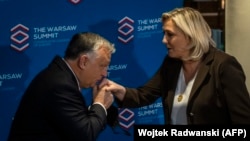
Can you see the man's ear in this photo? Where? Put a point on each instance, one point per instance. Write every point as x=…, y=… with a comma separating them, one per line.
x=82, y=61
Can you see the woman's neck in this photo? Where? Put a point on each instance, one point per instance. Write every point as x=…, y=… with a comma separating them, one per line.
x=189, y=69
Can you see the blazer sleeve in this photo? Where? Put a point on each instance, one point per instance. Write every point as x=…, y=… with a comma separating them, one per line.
x=144, y=95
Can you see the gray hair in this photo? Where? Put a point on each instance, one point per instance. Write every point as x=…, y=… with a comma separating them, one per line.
x=86, y=42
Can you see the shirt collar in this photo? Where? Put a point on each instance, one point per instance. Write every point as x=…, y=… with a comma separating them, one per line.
x=73, y=73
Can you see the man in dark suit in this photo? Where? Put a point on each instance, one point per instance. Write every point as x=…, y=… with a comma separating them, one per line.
x=53, y=108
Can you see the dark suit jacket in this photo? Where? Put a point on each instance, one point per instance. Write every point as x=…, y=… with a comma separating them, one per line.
x=219, y=94
x=53, y=109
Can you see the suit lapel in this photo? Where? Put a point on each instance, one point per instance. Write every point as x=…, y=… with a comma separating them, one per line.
x=203, y=72
x=173, y=71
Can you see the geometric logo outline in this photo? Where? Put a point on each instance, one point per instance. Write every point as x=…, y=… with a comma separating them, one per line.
x=75, y=1
x=19, y=37
x=126, y=29
x=127, y=124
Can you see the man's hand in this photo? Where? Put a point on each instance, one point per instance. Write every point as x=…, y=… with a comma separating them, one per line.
x=116, y=89
x=103, y=96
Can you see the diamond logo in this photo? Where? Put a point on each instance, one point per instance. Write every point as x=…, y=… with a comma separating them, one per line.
x=19, y=37
x=126, y=117
x=75, y=1
x=125, y=29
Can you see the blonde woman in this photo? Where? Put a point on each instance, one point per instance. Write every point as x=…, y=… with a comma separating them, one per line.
x=198, y=83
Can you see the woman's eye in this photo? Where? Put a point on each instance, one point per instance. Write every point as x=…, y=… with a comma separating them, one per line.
x=170, y=34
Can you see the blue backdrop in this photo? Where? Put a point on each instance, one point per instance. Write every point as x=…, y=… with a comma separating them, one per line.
x=32, y=32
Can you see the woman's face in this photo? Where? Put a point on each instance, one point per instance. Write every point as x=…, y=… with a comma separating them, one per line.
x=175, y=40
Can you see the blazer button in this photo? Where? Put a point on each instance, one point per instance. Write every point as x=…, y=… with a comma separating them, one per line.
x=191, y=114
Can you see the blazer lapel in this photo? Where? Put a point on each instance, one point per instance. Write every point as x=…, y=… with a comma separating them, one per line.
x=172, y=78
x=203, y=71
